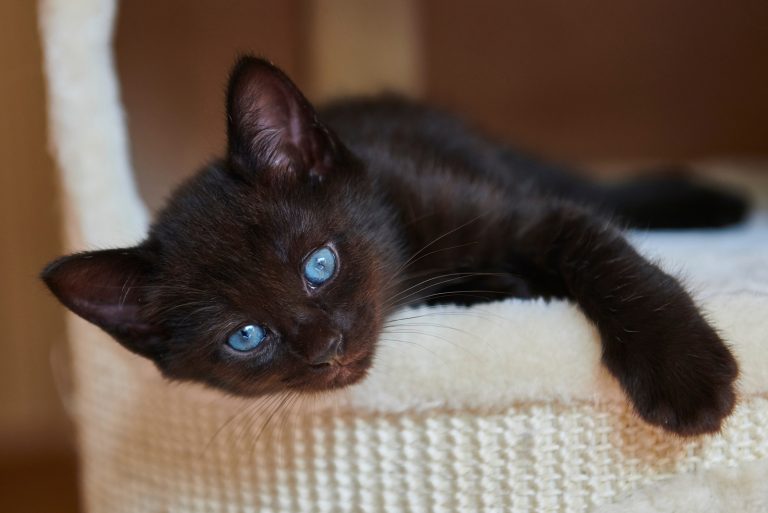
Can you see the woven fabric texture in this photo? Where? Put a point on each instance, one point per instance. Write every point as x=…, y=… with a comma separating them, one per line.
x=171, y=449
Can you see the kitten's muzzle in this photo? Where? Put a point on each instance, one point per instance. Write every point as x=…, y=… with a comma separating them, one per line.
x=327, y=352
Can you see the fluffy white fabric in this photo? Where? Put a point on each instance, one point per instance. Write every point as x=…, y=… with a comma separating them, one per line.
x=86, y=124
x=499, y=407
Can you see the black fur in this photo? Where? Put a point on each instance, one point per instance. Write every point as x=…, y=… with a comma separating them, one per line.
x=419, y=208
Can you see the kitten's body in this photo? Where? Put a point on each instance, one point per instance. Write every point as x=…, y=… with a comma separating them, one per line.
x=446, y=180
x=417, y=207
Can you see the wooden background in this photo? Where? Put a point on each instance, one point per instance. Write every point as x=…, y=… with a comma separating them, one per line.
x=587, y=81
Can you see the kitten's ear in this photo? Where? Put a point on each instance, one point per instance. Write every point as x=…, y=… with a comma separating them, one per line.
x=271, y=126
x=106, y=288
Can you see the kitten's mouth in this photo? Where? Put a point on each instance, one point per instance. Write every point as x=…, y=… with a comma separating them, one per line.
x=328, y=376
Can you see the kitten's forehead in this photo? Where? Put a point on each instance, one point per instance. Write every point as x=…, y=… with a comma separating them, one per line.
x=218, y=222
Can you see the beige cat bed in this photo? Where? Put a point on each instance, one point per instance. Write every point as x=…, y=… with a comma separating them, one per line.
x=500, y=407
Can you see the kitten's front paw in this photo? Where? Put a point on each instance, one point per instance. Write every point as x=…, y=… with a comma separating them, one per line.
x=683, y=383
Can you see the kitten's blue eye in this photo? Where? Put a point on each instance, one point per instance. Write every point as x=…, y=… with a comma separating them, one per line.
x=247, y=338
x=320, y=266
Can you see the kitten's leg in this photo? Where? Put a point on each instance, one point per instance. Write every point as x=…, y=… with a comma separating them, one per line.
x=673, y=365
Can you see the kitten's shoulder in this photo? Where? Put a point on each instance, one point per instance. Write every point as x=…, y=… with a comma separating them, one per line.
x=381, y=115
x=384, y=104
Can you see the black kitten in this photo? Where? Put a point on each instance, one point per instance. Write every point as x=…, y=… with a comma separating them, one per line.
x=275, y=267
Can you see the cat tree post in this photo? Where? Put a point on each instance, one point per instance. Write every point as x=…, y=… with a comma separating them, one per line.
x=521, y=418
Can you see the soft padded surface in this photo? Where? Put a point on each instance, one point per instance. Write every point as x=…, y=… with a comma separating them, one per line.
x=500, y=407
x=490, y=355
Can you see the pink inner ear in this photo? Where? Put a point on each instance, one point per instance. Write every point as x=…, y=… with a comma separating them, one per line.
x=101, y=287
x=111, y=316
x=296, y=126
x=271, y=125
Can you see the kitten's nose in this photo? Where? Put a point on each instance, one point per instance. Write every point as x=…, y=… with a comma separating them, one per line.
x=325, y=352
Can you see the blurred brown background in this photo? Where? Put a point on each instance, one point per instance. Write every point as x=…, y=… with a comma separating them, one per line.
x=589, y=81
x=593, y=80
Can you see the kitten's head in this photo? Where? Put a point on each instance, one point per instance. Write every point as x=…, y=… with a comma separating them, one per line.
x=265, y=272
